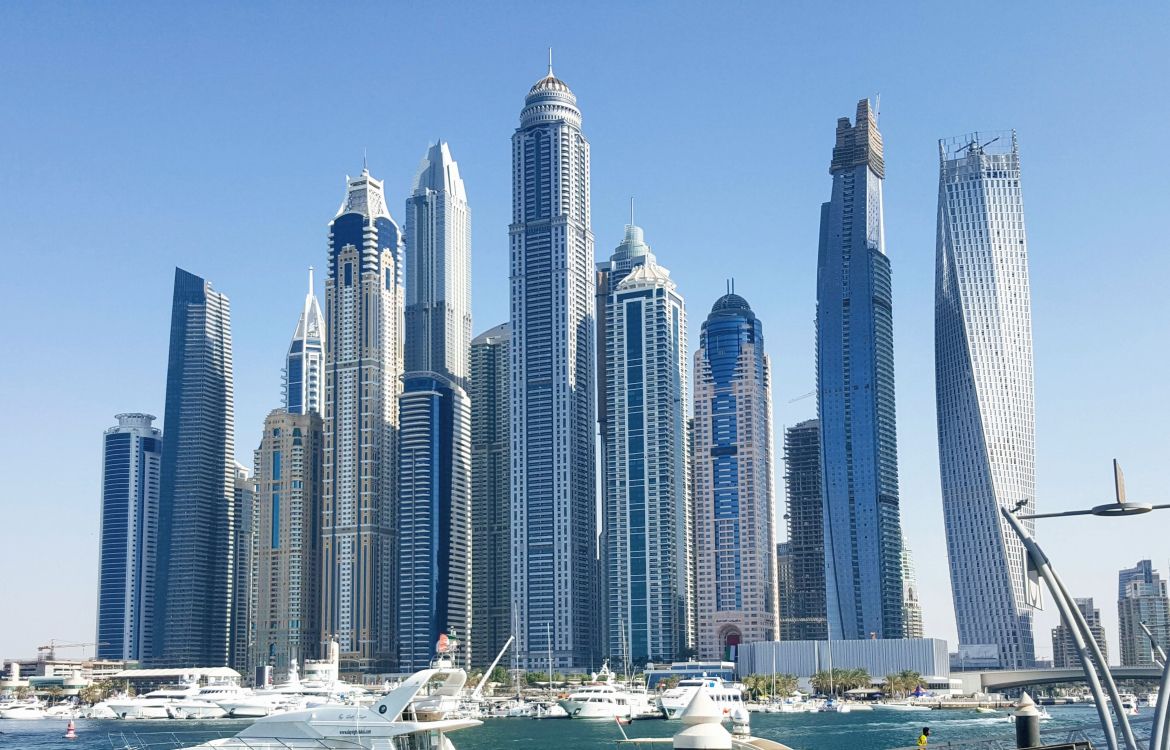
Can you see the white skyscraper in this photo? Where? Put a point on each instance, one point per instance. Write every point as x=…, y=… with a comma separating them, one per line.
x=363, y=364
x=646, y=511
x=438, y=268
x=304, y=372
x=983, y=370
x=554, y=540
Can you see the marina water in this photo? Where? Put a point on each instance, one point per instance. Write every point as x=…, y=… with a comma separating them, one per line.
x=862, y=730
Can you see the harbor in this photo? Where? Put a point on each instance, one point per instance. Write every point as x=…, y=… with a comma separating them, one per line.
x=876, y=730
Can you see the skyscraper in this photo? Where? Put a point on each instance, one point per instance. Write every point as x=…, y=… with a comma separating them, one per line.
x=1143, y=600
x=806, y=533
x=289, y=481
x=646, y=508
x=983, y=377
x=438, y=269
x=363, y=363
x=855, y=393
x=554, y=540
x=193, y=593
x=304, y=372
x=490, y=498
x=912, y=614
x=131, y=453
x=244, y=556
x=434, y=461
x=1064, y=653
x=735, y=535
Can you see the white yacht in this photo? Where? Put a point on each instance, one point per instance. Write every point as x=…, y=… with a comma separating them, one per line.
x=602, y=699
x=153, y=705
x=293, y=695
x=389, y=724
x=23, y=710
x=205, y=703
x=726, y=695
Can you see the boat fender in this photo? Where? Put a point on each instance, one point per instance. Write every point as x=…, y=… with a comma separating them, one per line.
x=382, y=709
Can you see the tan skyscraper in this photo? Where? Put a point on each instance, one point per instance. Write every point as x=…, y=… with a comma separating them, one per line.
x=735, y=526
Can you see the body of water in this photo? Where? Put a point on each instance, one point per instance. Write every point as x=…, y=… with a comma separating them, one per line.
x=861, y=730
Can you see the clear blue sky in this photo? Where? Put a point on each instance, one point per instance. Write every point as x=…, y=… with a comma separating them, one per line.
x=217, y=136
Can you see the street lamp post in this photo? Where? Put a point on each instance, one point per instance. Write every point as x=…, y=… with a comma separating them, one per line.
x=1086, y=645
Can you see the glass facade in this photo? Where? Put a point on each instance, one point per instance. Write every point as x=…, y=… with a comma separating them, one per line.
x=806, y=619
x=434, y=518
x=984, y=389
x=646, y=537
x=193, y=615
x=131, y=454
x=734, y=492
x=855, y=394
x=490, y=503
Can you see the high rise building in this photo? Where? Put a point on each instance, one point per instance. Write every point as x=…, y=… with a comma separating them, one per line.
x=438, y=269
x=735, y=535
x=983, y=377
x=1143, y=600
x=646, y=510
x=304, y=372
x=912, y=614
x=363, y=364
x=244, y=557
x=289, y=482
x=855, y=393
x=434, y=462
x=131, y=453
x=433, y=517
x=785, y=585
x=1064, y=652
x=194, y=577
x=554, y=539
x=806, y=534
x=490, y=496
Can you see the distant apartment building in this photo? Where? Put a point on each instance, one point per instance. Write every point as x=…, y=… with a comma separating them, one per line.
x=1143, y=600
x=490, y=504
x=131, y=454
x=1064, y=652
x=804, y=515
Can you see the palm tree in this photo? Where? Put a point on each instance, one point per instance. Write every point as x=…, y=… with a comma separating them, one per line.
x=821, y=682
x=786, y=685
x=910, y=680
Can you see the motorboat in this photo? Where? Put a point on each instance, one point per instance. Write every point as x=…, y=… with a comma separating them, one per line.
x=23, y=710
x=835, y=707
x=602, y=699
x=205, y=703
x=726, y=695
x=549, y=710
x=292, y=695
x=901, y=706
x=389, y=723
x=153, y=705
x=442, y=694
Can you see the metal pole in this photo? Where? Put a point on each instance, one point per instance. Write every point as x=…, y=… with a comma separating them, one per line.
x=1107, y=675
x=1159, y=654
x=1160, y=731
x=1040, y=560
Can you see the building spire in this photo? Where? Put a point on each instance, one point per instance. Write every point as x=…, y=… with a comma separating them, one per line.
x=550, y=72
x=631, y=210
x=365, y=168
x=310, y=280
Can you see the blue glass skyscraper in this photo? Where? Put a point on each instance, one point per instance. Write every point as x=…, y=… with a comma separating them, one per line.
x=433, y=531
x=193, y=596
x=855, y=393
x=131, y=453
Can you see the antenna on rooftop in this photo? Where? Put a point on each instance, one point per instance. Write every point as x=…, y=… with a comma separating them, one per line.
x=550, y=61
x=631, y=210
x=877, y=108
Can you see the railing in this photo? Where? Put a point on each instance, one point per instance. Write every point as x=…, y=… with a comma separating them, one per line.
x=226, y=740
x=1073, y=738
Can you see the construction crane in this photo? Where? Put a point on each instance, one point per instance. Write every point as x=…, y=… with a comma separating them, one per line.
x=49, y=652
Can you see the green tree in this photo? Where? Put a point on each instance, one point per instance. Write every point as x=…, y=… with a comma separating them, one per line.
x=785, y=685
x=535, y=678
x=668, y=683
x=500, y=675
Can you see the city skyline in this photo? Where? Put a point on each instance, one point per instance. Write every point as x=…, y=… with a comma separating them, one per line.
x=792, y=352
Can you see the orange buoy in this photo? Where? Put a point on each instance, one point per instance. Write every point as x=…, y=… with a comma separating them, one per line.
x=70, y=733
